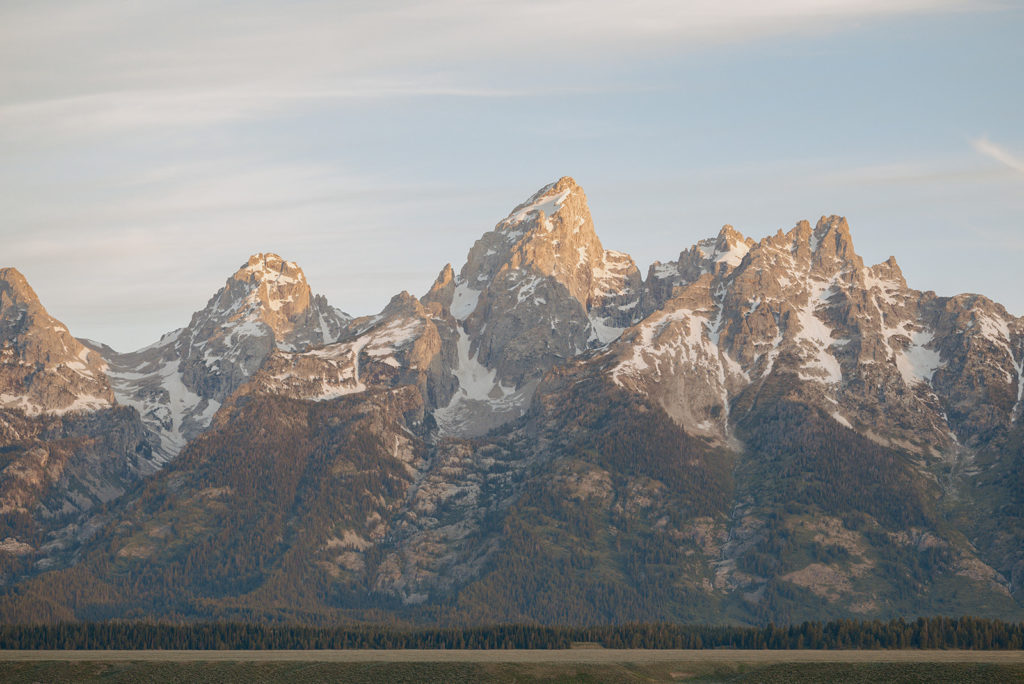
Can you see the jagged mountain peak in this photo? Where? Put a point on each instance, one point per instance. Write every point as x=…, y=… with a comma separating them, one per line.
x=832, y=242
x=537, y=289
x=887, y=273
x=728, y=247
x=730, y=237
x=266, y=288
x=439, y=298
x=549, y=200
x=268, y=295
x=719, y=256
x=43, y=368
x=542, y=268
x=17, y=300
x=271, y=265
x=551, y=234
x=14, y=287
x=822, y=251
x=832, y=223
x=277, y=281
x=178, y=383
x=403, y=303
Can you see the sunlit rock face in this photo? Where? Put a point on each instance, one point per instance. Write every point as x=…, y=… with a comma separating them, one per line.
x=179, y=382
x=43, y=368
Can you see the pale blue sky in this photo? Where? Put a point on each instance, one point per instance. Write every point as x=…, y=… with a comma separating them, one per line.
x=147, y=148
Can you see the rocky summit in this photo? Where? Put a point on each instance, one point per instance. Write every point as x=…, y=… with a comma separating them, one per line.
x=43, y=369
x=179, y=382
x=759, y=430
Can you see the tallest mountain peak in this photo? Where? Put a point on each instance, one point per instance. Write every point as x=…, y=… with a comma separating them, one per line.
x=565, y=183
x=547, y=208
x=551, y=234
x=269, y=265
x=540, y=286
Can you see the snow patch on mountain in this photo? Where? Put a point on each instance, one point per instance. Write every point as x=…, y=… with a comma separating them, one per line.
x=156, y=389
x=994, y=329
x=884, y=288
x=838, y=417
x=481, y=402
x=542, y=202
x=916, y=362
x=383, y=343
x=732, y=254
x=81, y=403
x=464, y=301
x=476, y=381
x=603, y=331
x=1019, y=366
x=815, y=339
x=678, y=336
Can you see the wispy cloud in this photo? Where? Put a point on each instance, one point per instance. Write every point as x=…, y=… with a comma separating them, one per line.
x=998, y=153
x=120, y=111
x=101, y=66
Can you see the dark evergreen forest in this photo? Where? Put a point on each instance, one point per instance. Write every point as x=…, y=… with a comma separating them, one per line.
x=923, y=633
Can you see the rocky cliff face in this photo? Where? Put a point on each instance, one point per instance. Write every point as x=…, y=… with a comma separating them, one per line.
x=540, y=286
x=43, y=369
x=55, y=469
x=178, y=383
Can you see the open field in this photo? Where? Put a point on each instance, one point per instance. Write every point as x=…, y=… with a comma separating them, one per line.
x=577, y=665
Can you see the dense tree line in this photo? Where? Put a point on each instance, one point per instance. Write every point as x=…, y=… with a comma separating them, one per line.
x=929, y=633
x=922, y=633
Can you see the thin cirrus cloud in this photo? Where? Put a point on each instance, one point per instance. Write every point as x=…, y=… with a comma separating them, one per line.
x=186, y=198
x=999, y=154
x=102, y=66
x=139, y=109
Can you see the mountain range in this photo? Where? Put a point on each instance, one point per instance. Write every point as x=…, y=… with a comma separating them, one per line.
x=758, y=430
